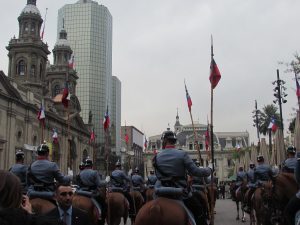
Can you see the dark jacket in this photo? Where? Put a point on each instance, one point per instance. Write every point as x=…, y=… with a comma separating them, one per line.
x=79, y=217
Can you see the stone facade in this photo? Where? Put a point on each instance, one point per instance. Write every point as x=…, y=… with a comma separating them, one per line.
x=30, y=84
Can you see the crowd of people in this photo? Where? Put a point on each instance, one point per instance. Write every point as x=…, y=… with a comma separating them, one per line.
x=172, y=167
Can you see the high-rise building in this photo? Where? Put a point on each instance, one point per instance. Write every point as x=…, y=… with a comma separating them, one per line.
x=116, y=114
x=89, y=27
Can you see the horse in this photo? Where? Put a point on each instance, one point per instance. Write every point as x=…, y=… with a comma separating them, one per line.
x=42, y=206
x=162, y=211
x=149, y=194
x=276, y=195
x=212, y=196
x=86, y=204
x=138, y=202
x=238, y=197
x=117, y=208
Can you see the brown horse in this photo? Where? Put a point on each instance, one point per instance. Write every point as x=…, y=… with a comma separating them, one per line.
x=117, y=208
x=162, y=211
x=41, y=206
x=276, y=194
x=238, y=197
x=149, y=194
x=138, y=202
x=86, y=204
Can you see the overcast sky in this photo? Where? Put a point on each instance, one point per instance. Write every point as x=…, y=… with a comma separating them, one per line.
x=159, y=43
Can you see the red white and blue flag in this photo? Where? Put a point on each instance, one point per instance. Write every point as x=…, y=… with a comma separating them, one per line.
x=106, y=120
x=298, y=88
x=215, y=74
x=72, y=61
x=55, y=136
x=272, y=125
x=66, y=96
x=41, y=115
x=188, y=98
x=92, y=137
x=146, y=143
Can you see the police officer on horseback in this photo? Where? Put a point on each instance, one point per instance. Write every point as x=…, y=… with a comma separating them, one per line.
x=289, y=164
x=171, y=167
x=138, y=182
x=42, y=173
x=151, y=179
x=120, y=183
x=262, y=173
x=89, y=180
x=19, y=169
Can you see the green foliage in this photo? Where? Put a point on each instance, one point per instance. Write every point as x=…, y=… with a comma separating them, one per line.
x=265, y=117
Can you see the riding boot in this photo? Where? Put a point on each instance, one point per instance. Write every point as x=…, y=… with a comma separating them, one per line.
x=131, y=211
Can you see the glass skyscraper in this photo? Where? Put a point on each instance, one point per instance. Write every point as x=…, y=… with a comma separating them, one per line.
x=89, y=28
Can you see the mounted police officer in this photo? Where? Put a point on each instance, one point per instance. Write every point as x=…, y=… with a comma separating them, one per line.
x=171, y=168
x=151, y=179
x=240, y=177
x=19, y=169
x=262, y=173
x=81, y=167
x=289, y=164
x=294, y=203
x=250, y=185
x=42, y=173
x=138, y=182
x=120, y=182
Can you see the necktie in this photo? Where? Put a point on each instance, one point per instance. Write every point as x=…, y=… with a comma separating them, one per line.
x=65, y=218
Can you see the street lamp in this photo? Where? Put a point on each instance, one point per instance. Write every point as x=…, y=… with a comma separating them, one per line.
x=279, y=95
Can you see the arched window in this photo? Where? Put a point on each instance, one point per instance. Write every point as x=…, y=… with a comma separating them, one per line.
x=21, y=68
x=32, y=27
x=32, y=71
x=26, y=28
x=56, y=90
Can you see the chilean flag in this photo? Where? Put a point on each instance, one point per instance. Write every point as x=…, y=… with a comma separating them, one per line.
x=55, y=136
x=93, y=136
x=66, y=96
x=71, y=61
x=41, y=115
x=215, y=74
x=106, y=120
x=188, y=99
x=146, y=143
x=272, y=125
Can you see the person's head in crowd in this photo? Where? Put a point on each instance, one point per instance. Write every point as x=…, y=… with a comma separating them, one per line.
x=10, y=189
x=64, y=195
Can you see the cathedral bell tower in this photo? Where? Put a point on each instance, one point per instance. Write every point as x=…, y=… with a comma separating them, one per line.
x=28, y=53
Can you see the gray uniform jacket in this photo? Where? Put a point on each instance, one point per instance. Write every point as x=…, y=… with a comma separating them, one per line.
x=46, y=171
x=119, y=179
x=241, y=175
x=297, y=176
x=151, y=180
x=91, y=179
x=20, y=170
x=250, y=175
x=289, y=165
x=137, y=180
x=262, y=172
x=174, y=164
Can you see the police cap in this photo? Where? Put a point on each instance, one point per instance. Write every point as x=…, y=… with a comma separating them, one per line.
x=291, y=149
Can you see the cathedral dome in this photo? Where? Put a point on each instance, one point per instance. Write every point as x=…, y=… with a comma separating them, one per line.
x=31, y=9
x=62, y=41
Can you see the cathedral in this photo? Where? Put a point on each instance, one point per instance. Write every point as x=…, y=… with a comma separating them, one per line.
x=31, y=84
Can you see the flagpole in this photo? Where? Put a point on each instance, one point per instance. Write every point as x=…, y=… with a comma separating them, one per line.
x=196, y=140
x=43, y=122
x=212, y=138
x=298, y=97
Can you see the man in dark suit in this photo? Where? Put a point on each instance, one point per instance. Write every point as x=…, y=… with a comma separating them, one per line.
x=65, y=211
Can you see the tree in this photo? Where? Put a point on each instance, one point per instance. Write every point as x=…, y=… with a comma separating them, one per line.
x=292, y=126
x=268, y=112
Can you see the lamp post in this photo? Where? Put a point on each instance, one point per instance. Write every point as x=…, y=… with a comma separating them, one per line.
x=256, y=122
x=280, y=96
